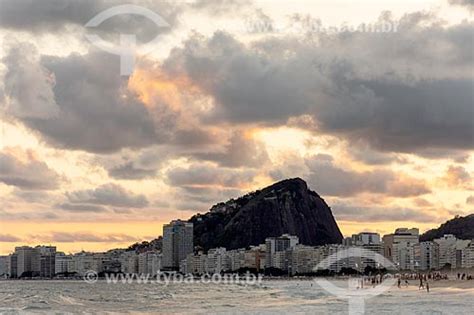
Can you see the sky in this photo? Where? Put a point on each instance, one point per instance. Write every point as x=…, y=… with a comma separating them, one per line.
x=371, y=102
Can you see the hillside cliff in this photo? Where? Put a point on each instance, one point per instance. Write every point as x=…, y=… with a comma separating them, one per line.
x=284, y=207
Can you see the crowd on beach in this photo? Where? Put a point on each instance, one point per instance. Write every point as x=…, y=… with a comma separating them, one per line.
x=434, y=276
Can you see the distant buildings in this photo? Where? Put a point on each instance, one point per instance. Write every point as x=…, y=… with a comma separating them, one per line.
x=468, y=256
x=278, y=255
x=426, y=256
x=36, y=261
x=398, y=247
x=63, y=264
x=27, y=261
x=149, y=262
x=4, y=262
x=177, y=243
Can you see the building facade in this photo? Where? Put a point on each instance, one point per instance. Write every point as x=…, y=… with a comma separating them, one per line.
x=177, y=243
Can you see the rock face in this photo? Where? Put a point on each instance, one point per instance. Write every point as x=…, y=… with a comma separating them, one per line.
x=461, y=227
x=285, y=207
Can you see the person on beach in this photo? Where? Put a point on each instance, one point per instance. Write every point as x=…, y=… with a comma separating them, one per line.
x=406, y=283
x=399, y=282
x=427, y=287
x=421, y=284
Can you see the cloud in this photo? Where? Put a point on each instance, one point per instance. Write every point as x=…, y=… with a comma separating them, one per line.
x=207, y=174
x=381, y=214
x=241, y=150
x=108, y=194
x=457, y=176
x=65, y=237
x=422, y=203
x=397, y=92
x=96, y=111
x=81, y=207
x=202, y=198
x=22, y=169
x=8, y=238
x=57, y=16
x=467, y=3
x=221, y=7
x=470, y=200
x=28, y=85
x=143, y=164
x=363, y=152
x=130, y=171
x=329, y=179
x=32, y=196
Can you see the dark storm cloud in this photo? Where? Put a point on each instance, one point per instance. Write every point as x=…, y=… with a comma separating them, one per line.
x=396, y=91
x=108, y=194
x=29, y=174
x=51, y=15
x=437, y=114
x=328, y=179
x=89, y=108
x=54, y=16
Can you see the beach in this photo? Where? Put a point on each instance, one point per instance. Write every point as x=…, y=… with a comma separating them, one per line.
x=270, y=297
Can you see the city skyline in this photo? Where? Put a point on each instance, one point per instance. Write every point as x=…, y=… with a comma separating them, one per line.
x=364, y=239
x=234, y=96
x=279, y=255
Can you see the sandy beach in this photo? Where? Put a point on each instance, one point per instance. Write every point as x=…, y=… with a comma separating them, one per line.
x=445, y=284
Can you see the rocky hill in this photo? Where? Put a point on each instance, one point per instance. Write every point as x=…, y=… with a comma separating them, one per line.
x=461, y=227
x=285, y=207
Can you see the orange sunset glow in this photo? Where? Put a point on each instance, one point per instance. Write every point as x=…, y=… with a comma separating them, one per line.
x=381, y=126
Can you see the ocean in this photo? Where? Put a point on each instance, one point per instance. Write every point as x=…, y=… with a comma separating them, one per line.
x=269, y=297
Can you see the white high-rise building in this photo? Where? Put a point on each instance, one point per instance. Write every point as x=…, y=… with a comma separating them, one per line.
x=446, y=245
x=194, y=263
x=304, y=259
x=451, y=250
x=371, y=242
x=177, y=243
x=236, y=258
x=426, y=256
x=276, y=247
x=149, y=262
x=83, y=262
x=397, y=246
x=365, y=238
x=468, y=256
x=334, y=259
x=216, y=260
x=63, y=263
